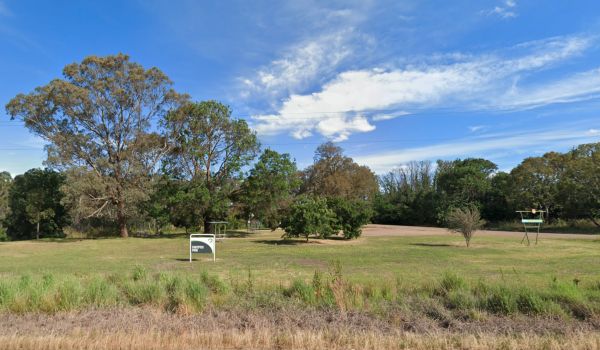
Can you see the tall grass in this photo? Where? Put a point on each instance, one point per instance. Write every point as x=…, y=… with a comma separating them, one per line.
x=451, y=296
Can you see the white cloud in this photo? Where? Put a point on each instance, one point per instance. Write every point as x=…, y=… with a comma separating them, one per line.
x=343, y=104
x=300, y=65
x=574, y=88
x=388, y=116
x=506, y=10
x=476, y=128
x=475, y=146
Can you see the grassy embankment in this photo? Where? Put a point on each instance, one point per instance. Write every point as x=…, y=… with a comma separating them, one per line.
x=395, y=283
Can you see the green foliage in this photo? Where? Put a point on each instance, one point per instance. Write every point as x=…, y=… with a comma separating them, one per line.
x=35, y=204
x=350, y=215
x=407, y=196
x=268, y=191
x=309, y=216
x=98, y=121
x=210, y=148
x=579, y=187
x=5, y=184
x=334, y=175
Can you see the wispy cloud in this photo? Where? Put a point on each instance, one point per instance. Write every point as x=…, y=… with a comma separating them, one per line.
x=576, y=87
x=505, y=10
x=477, y=147
x=300, y=65
x=344, y=104
x=476, y=128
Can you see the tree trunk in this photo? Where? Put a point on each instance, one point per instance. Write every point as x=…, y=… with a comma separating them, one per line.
x=37, y=232
x=206, y=225
x=122, y=220
x=594, y=221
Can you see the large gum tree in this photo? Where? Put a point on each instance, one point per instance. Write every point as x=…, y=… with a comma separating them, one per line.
x=99, y=119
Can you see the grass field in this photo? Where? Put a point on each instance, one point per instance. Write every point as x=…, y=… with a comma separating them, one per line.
x=395, y=287
x=414, y=259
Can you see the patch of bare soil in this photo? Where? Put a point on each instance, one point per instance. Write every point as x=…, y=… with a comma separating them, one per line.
x=146, y=328
x=375, y=230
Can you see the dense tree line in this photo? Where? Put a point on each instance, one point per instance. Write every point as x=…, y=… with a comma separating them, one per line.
x=125, y=148
x=567, y=185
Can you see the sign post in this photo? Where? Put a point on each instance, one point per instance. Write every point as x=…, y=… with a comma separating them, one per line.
x=202, y=243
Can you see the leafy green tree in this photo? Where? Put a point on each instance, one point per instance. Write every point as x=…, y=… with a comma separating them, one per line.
x=462, y=183
x=210, y=150
x=334, y=175
x=497, y=203
x=350, y=215
x=99, y=119
x=536, y=181
x=579, y=186
x=407, y=196
x=35, y=204
x=5, y=184
x=309, y=216
x=269, y=189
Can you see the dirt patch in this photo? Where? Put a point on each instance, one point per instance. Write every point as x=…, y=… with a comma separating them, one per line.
x=375, y=230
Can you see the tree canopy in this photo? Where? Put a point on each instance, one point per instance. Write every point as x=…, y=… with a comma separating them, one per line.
x=35, y=203
x=210, y=149
x=335, y=175
x=270, y=187
x=98, y=118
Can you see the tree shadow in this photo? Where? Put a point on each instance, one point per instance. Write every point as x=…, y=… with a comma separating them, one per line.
x=432, y=244
x=164, y=235
x=284, y=242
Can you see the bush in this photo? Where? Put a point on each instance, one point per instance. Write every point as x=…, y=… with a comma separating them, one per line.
x=309, y=216
x=465, y=221
x=351, y=215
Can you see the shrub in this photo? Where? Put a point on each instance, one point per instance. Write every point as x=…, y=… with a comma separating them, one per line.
x=309, y=216
x=351, y=215
x=465, y=221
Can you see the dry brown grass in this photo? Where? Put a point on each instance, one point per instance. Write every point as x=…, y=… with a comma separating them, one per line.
x=266, y=338
x=146, y=328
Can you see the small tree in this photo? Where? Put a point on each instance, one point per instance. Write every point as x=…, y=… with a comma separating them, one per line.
x=309, y=216
x=35, y=205
x=351, y=215
x=465, y=221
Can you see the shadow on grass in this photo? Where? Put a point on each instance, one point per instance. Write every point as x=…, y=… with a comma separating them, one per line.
x=432, y=244
x=186, y=259
x=285, y=242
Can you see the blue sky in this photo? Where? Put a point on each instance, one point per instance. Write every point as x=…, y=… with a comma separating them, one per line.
x=390, y=81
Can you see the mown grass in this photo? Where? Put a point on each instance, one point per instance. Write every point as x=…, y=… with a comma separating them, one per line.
x=450, y=297
x=416, y=260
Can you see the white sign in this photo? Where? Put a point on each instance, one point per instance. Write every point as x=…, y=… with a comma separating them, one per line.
x=202, y=244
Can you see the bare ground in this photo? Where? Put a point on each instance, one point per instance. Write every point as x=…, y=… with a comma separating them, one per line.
x=147, y=328
x=374, y=230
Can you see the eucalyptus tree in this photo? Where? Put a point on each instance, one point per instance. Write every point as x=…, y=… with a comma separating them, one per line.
x=98, y=119
x=270, y=187
x=335, y=175
x=210, y=150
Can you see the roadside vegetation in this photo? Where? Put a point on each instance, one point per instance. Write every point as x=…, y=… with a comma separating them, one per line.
x=450, y=297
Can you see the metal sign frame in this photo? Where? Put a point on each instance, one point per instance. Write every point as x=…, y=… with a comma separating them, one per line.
x=532, y=222
x=206, y=239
